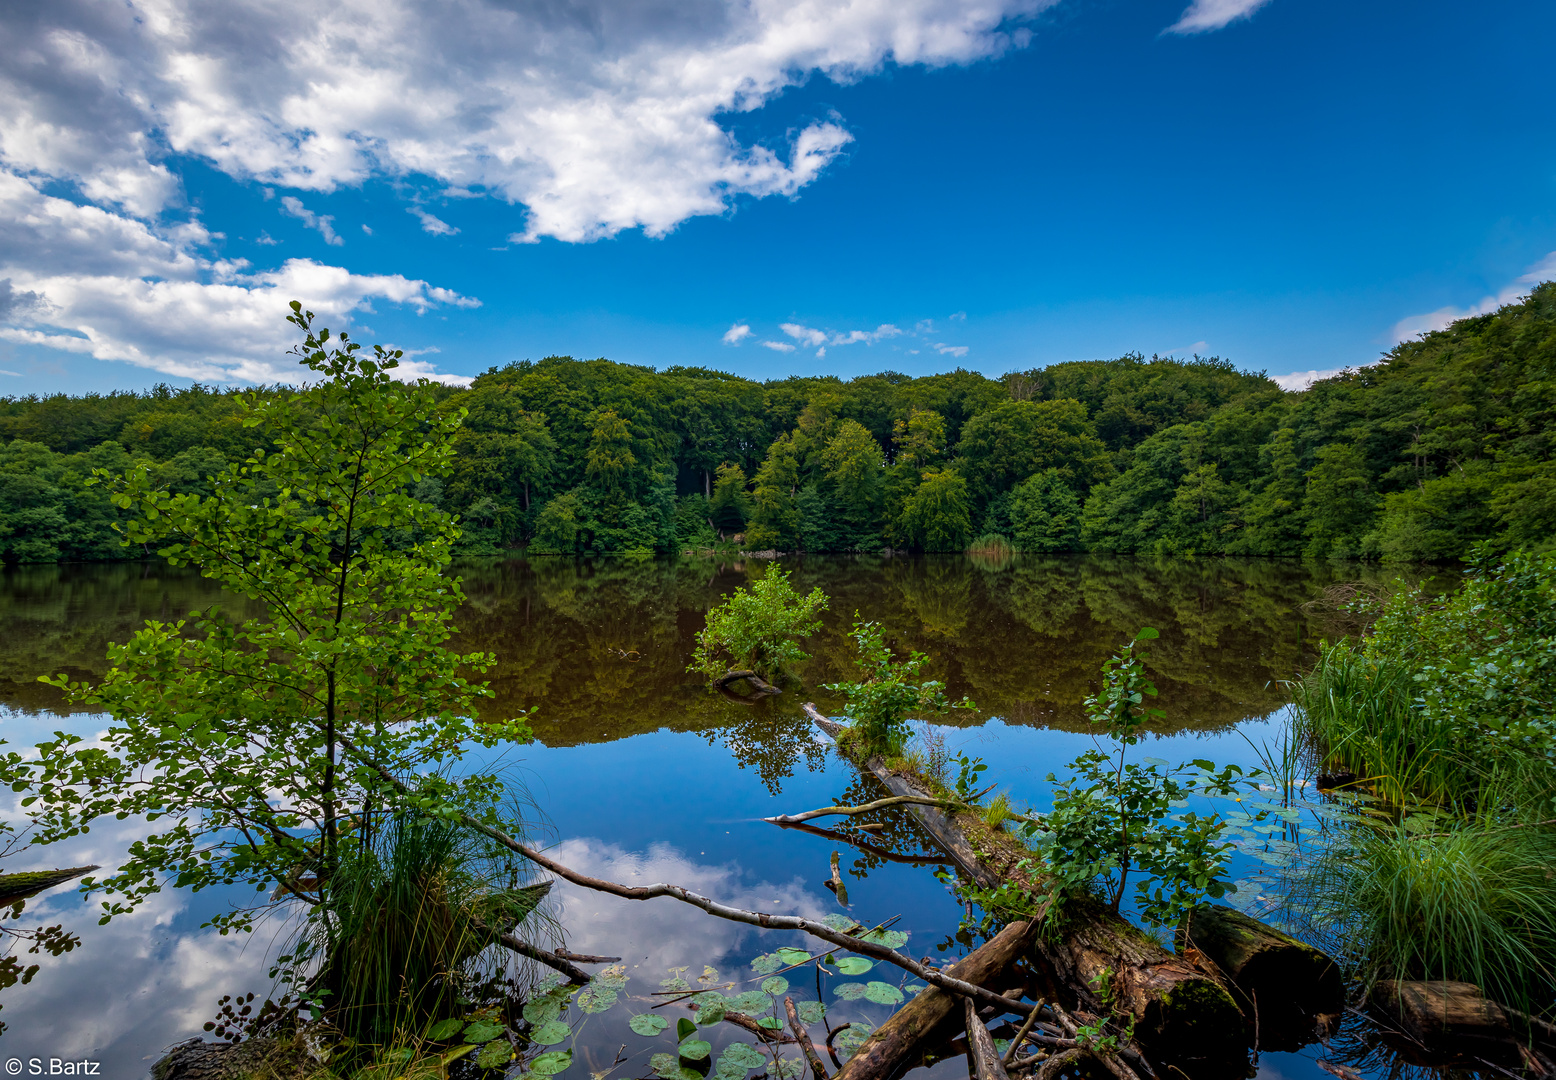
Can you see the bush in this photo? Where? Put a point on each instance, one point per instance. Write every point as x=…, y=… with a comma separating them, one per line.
x=757, y=630
x=879, y=704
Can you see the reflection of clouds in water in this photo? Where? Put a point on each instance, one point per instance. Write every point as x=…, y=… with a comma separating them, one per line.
x=658, y=934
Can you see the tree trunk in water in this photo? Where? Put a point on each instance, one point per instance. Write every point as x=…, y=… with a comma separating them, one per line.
x=1441, y=1015
x=1181, y=1012
x=1293, y=990
x=898, y=1040
x=980, y=1046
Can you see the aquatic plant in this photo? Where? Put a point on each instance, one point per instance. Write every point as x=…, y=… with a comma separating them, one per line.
x=992, y=552
x=759, y=629
x=881, y=700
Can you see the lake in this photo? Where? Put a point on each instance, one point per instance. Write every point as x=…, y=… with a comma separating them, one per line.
x=644, y=775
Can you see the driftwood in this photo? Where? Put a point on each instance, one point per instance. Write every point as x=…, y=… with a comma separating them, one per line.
x=1294, y=991
x=1443, y=1015
x=895, y=1042
x=802, y=1036
x=869, y=807
x=980, y=1046
x=28, y=882
x=1180, y=1012
x=755, y=681
x=878, y=852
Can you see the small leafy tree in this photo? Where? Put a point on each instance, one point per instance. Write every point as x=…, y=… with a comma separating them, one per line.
x=258, y=747
x=880, y=703
x=1115, y=819
x=758, y=630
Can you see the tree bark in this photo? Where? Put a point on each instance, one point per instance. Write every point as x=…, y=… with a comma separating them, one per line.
x=980, y=1045
x=802, y=1036
x=898, y=1040
x=1293, y=990
x=28, y=882
x=1181, y=1013
x=1444, y=1015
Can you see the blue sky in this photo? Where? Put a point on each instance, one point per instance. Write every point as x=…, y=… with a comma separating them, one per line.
x=862, y=184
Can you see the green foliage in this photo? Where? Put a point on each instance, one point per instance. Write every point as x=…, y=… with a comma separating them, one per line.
x=1045, y=514
x=730, y=505
x=1113, y=817
x=758, y=630
x=1011, y=442
x=887, y=692
x=251, y=743
x=937, y=516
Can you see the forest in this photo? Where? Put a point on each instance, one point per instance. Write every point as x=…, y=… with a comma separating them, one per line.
x=1446, y=442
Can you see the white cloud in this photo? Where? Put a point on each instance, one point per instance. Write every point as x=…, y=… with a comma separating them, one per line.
x=1412, y=325
x=821, y=352
x=429, y=224
x=809, y=335
x=292, y=206
x=805, y=335
x=596, y=116
x=1298, y=381
x=960, y=316
x=778, y=346
x=1203, y=15
x=17, y=374
x=367, y=230
x=737, y=333
x=943, y=349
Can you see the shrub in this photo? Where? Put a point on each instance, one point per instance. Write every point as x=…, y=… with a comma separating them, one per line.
x=757, y=630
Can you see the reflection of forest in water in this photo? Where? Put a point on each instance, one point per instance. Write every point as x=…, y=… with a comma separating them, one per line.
x=600, y=647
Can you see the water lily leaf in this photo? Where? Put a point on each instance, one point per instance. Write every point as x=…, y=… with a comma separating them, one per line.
x=767, y=963
x=849, y=991
x=792, y=956
x=611, y=978
x=708, y=975
x=494, y=1054
x=883, y=993
x=596, y=999
x=788, y=1068
x=648, y=1024
x=710, y=1014
x=850, y=1039
x=542, y=1011
x=445, y=1029
x=666, y=1066
x=742, y=1055
x=551, y=1032
x=892, y=939
x=695, y=1049
x=684, y=1029
x=711, y=997
x=840, y=923
x=775, y=986
x=770, y=1022
x=550, y=1064
x=854, y=965
x=751, y=1002
x=675, y=983
x=811, y=1012
x=482, y=1031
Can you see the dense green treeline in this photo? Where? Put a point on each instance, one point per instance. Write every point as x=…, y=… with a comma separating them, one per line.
x=1446, y=442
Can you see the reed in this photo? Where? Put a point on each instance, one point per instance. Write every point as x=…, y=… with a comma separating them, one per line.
x=992, y=552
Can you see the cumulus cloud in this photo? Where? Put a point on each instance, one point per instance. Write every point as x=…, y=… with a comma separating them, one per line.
x=1298, y=381
x=943, y=349
x=1204, y=15
x=809, y=335
x=292, y=206
x=805, y=335
x=429, y=224
x=737, y=333
x=1412, y=325
x=778, y=346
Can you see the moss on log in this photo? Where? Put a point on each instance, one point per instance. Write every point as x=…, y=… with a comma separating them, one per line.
x=1295, y=992
x=1182, y=1013
x=20, y=886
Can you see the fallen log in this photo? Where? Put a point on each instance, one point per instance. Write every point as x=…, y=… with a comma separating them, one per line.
x=980, y=1045
x=1181, y=1013
x=1444, y=1016
x=29, y=882
x=1295, y=992
x=895, y=1042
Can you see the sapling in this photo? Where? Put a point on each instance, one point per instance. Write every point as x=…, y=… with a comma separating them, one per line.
x=758, y=630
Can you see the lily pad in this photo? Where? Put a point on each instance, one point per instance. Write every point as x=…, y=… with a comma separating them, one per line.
x=648, y=1024
x=841, y=923
x=481, y=1031
x=811, y=1012
x=775, y=986
x=883, y=993
x=792, y=956
x=854, y=965
x=551, y=1032
x=892, y=939
x=770, y=1022
x=788, y=1068
x=711, y=1013
x=684, y=1029
x=766, y=964
x=665, y=1066
x=550, y=1064
x=542, y=1011
x=596, y=999
x=752, y=1001
x=494, y=1054
x=695, y=1049
x=742, y=1055
x=849, y=991
x=850, y=1039
x=445, y=1029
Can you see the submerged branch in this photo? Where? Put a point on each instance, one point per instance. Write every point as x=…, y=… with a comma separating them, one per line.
x=867, y=808
x=878, y=852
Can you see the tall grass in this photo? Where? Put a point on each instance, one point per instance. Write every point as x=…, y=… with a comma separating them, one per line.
x=992, y=552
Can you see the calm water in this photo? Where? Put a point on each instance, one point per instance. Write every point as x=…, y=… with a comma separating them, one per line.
x=646, y=776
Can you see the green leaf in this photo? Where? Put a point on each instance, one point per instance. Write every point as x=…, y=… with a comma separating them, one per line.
x=596, y=999
x=850, y=1039
x=840, y=923
x=775, y=986
x=811, y=1012
x=767, y=963
x=849, y=991
x=665, y=1066
x=883, y=993
x=751, y=1002
x=684, y=1029
x=445, y=1029
x=710, y=1014
x=494, y=1054
x=481, y=1031
x=695, y=1049
x=853, y=965
x=742, y=1055
x=791, y=957
x=892, y=939
x=550, y=1033
x=549, y=1064
x=771, y=1022
x=648, y=1024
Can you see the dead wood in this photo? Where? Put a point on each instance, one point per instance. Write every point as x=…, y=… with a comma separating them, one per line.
x=575, y=975
x=878, y=852
x=28, y=882
x=755, y=681
x=980, y=1045
x=802, y=1036
x=1180, y=1012
x=1443, y=1015
x=899, y=1040
x=870, y=807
